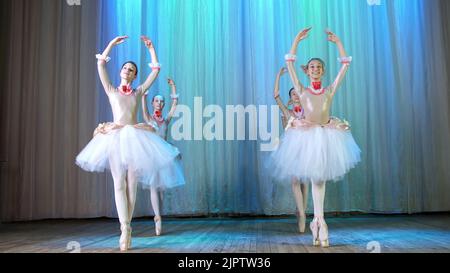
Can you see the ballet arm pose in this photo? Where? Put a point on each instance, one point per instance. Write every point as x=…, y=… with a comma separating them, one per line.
x=292, y=57
x=174, y=97
x=103, y=59
x=155, y=66
x=344, y=59
x=276, y=93
x=147, y=117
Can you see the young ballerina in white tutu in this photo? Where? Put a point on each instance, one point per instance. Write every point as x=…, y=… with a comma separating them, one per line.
x=133, y=152
x=165, y=178
x=300, y=190
x=318, y=148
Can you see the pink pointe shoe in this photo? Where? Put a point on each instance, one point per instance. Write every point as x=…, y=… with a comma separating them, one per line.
x=314, y=226
x=319, y=230
x=125, y=238
x=323, y=233
x=158, y=225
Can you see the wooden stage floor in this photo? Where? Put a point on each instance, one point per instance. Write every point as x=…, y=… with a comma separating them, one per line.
x=422, y=233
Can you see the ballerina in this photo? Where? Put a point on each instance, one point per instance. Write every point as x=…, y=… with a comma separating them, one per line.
x=300, y=190
x=131, y=150
x=164, y=178
x=319, y=148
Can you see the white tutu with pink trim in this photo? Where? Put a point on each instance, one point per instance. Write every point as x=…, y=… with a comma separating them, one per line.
x=314, y=153
x=133, y=149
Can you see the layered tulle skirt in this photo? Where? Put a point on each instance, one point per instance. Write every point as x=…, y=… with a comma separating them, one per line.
x=153, y=161
x=314, y=153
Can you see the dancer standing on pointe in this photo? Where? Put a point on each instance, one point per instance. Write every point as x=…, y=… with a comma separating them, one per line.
x=319, y=148
x=165, y=178
x=133, y=152
x=300, y=190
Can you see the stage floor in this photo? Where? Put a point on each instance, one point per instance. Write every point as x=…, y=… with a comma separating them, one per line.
x=424, y=233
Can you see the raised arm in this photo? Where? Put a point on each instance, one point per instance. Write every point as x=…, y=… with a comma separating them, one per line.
x=276, y=93
x=145, y=113
x=292, y=57
x=174, y=97
x=103, y=59
x=154, y=65
x=345, y=60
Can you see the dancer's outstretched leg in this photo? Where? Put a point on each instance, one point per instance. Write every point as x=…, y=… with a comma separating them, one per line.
x=318, y=226
x=305, y=190
x=155, y=204
x=131, y=193
x=120, y=195
x=298, y=195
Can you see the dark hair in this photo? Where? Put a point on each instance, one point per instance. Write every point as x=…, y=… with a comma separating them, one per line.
x=153, y=99
x=290, y=91
x=316, y=59
x=133, y=63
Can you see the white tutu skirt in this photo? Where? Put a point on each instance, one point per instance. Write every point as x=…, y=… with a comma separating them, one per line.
x=154, y=161
x=314, y=154
x=167, y=177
